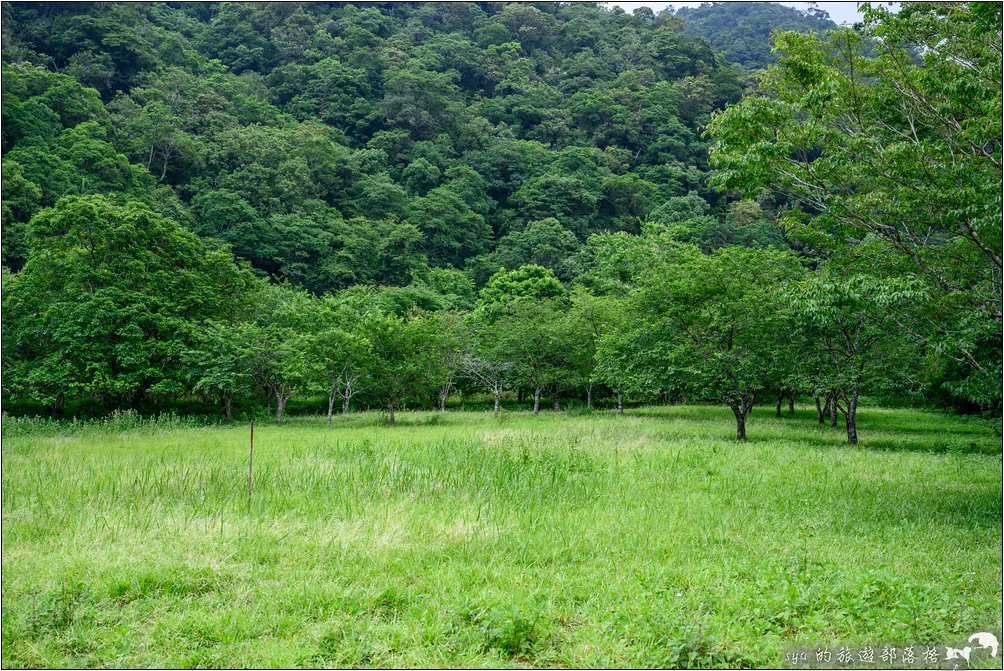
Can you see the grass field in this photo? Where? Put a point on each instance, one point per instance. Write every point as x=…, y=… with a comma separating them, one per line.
x=651, y=539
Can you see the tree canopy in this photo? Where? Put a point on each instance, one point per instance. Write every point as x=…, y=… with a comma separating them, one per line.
x=389, y=204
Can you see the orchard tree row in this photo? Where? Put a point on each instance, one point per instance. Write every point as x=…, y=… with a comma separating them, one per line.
x=121, y=306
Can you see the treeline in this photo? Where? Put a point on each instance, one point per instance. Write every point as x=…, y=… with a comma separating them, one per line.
x=200, y=202
x=121, y=305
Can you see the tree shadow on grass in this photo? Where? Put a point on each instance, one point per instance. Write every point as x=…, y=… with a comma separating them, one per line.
x=899, y=443
x=973, y=508
x=879, y=429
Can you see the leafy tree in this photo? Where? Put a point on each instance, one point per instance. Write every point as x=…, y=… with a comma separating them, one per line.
x=741, y=32
x=346, y=358
x=544, y=243
x=218, y=364
x=871, y=135
x=399, y=157
x=586, y=324
x=487, y=362
x=20, y=199
x=708, y=324
x=453, y=232
x=847, y=319
x=279, y=342
x=449, y=340
x=106, y=298
x=524, y=305
x=401, y=348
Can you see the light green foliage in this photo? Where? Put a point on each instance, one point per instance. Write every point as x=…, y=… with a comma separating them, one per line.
x=339, y=356
x=649, y=540
x=279, y=339
x=219, y=364
x=846, y=339
x=893, y=132
x=708, y=325
x=543, y=243
x=403, y=364
x=526, y=308
x=527, y=283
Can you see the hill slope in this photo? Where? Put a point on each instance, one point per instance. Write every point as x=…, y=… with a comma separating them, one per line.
x=741, y=30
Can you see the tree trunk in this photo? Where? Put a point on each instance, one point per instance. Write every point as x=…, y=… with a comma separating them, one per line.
x=280, y=405
x=555, y=405
x=833, y=408
x=136, y=398
x=498, y=400
x=536, y=400
x=390, y=410
x=819, y=410
x=519, y=396
x=227, y=408
x=740, y=414
x=791, y=403
x=852, y=419
x=620, y=404
x=777, y=411
x=443, y=393
x=345, y=402
x=826, y=408
x=589, y=396
x=741, y=409
x=331, y=403
x=268, y=404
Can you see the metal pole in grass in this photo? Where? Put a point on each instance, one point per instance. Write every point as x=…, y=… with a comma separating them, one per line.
x=250, y=465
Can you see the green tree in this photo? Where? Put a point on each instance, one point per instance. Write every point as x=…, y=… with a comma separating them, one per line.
x=401, y=349
x=524, y=306
x=217, y=364
x=279, y=339
x=345, y=359
x=848, y=318
x=893, y=132
x=544, y=243
x=487, y=361
x=106, y=298
x=709, y=324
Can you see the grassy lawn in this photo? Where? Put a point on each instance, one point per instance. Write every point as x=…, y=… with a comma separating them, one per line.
x=651, y=539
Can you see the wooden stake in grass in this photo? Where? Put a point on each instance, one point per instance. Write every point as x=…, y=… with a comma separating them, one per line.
x=250, y=465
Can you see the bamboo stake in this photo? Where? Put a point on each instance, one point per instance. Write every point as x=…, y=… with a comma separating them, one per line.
x=250, y=465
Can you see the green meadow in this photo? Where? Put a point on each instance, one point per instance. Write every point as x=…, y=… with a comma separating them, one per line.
x=565, y=539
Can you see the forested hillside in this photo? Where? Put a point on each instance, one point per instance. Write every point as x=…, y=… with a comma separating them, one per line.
x=229, y=201
x=335, y=144
x=741, y=31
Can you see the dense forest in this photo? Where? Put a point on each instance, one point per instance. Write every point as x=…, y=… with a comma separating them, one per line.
x=741, y=31
x=391, y=201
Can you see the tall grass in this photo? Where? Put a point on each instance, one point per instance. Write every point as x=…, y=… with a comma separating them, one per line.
x=115, y=422
x=651, y=539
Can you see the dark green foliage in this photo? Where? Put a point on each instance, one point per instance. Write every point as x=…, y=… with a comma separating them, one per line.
x=106, y=300
x=741, y=30
x=273, y=124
